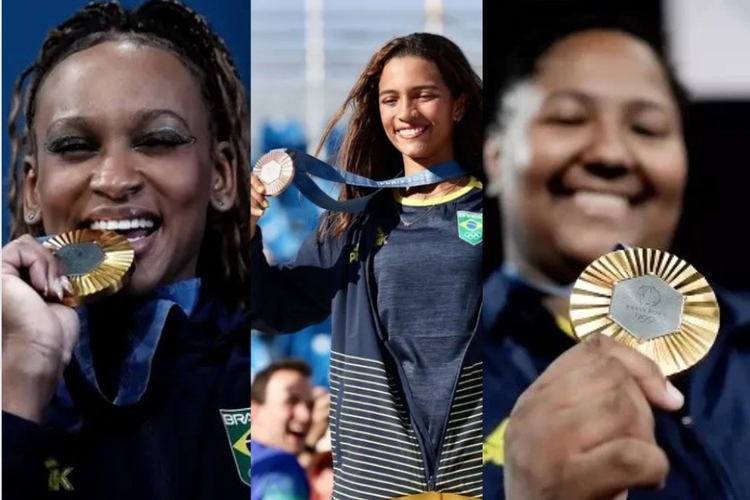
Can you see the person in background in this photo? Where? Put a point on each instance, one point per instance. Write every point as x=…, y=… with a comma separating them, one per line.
x=590, y=151
x=321, y=476
x=282, y=409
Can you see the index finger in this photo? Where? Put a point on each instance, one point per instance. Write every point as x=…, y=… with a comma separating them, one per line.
x=257, y=184
x=647, y=374
x=26, y=253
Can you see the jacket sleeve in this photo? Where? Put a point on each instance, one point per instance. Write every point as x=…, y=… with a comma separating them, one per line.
x=288, y=298
x=24, y=454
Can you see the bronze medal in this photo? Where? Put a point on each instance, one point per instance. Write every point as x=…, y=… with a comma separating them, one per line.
x=650, y=300
x=276, y=171
x=97, y=263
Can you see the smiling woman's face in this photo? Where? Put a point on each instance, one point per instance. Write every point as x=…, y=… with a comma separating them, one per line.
x=600, y=157
x=417, y=109
x=123, y=142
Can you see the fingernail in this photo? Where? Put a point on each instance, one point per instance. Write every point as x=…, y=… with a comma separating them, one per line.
x=57, y=287
x=266, y=204
x=675, y=396
x=67, y=285
x=261, y=189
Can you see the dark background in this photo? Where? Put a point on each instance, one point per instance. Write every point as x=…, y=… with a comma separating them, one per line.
x=26, y=23
x=712, y=236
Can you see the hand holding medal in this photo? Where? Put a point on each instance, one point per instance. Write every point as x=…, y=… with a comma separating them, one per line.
x=649, y=300
x=40, y=328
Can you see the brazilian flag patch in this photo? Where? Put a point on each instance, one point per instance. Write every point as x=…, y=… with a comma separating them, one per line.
x=237, y=425
x=470, y=226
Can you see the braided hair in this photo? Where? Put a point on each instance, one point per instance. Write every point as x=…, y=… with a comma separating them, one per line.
x=176, y=28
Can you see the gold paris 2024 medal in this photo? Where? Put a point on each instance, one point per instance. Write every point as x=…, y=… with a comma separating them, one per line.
x=276, y=171
x=97, y=263
x=649, y=300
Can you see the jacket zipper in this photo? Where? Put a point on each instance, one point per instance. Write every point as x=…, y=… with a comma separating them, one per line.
x=430, y=475
x=469, y=346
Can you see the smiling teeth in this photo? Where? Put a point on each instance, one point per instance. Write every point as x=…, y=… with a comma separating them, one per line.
x=411, y=132
x=601, y=204
x=121, y=225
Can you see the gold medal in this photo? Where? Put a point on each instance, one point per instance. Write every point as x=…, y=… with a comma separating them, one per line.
x=97, y=263
x=649, y=300
x=276, y=171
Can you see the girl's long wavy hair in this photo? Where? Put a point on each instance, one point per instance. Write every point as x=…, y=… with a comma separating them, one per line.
x=176, y=28
x=367, y=151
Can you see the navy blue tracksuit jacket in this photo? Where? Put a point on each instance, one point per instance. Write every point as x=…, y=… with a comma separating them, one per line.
x=379, y=450
x=170, y=423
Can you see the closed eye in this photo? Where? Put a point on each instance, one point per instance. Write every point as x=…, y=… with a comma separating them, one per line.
x=163, y=141
x=567, y=120
x=71, y=147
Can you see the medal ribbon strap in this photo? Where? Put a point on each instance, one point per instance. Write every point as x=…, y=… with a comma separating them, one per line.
x=307, y=165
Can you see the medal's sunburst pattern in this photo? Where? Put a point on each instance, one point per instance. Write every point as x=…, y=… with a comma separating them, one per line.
x=106, y=278
x=674, y=352
x=276, y=170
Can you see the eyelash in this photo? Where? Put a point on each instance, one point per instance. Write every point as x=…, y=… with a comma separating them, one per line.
x=568, y=121
x=574, y=122
x=154, y=142
x=393, y=100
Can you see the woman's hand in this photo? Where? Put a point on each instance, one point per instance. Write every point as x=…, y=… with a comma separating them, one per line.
x=39, y=333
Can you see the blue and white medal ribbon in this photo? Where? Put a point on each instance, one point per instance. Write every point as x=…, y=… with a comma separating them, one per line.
x=280, y=168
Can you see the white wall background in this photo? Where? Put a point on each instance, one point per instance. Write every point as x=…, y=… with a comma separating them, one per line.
x=710, y=45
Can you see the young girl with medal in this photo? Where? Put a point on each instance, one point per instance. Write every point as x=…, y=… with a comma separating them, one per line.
x=401, y=279
x=130, y=150
x=590, y=151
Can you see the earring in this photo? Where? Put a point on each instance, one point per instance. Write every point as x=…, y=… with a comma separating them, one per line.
x=220, y=203
x=30, y=216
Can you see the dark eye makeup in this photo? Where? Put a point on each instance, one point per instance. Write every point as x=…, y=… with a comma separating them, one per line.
x=161, y=139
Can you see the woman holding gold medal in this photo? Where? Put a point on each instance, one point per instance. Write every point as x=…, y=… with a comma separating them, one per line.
x=401, y=279
x=130, y=142
x=590, y=152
